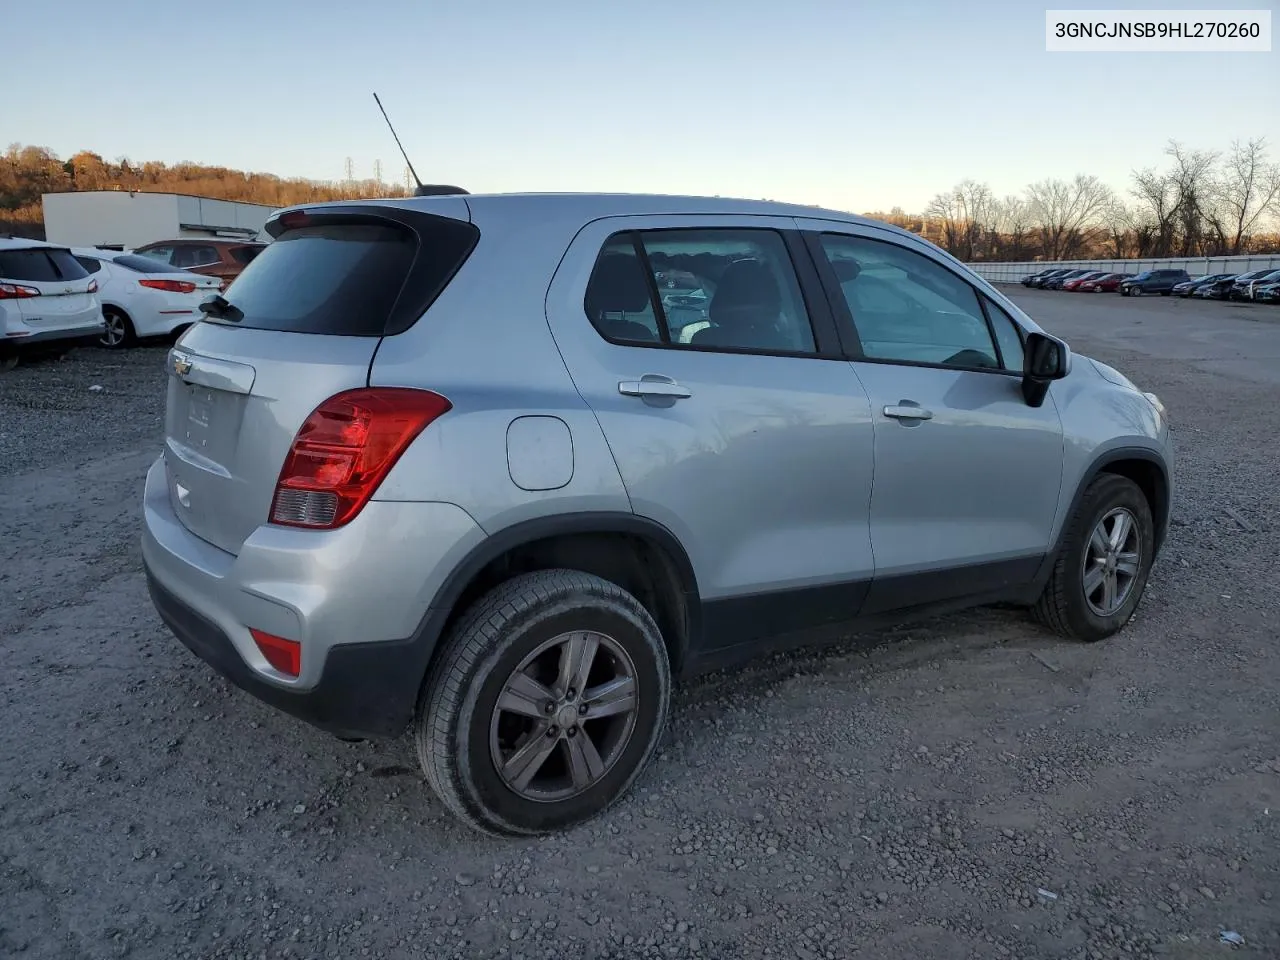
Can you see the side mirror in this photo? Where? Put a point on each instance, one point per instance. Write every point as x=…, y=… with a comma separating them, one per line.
x=1046, y=359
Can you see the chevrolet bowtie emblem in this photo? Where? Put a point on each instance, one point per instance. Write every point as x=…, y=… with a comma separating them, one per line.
x=181, y=365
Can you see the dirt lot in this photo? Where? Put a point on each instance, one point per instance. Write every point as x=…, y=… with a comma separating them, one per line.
x=906, y=795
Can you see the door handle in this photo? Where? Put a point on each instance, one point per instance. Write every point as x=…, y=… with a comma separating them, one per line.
x=905, y=411
x=651, y=385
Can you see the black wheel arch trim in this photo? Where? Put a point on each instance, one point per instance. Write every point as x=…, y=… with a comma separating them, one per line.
x=443, y=606
x=1160, y=513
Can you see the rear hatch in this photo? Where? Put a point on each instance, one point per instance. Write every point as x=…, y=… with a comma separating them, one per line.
x=63, y=288
x=301, y=323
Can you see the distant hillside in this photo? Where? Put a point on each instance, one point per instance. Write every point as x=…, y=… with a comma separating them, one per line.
x=28, y=172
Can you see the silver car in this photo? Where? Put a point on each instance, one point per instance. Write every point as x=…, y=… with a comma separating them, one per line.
x=440, y=464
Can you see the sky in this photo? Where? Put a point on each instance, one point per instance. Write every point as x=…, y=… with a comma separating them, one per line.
x=848, y=104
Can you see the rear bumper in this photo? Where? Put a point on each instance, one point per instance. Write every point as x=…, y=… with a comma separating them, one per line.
x=364, y=690
x=356, y=599
x=46, y=340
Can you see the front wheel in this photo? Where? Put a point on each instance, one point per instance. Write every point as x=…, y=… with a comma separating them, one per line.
x=1102, y=568
x=547, y=702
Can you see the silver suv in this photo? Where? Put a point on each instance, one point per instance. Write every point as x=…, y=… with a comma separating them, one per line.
x=444, y=463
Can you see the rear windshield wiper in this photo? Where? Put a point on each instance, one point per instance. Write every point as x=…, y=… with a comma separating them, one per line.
x=222, y=308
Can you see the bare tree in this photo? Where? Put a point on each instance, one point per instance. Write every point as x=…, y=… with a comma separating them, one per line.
x=962, y=213
x=1156, y=211
x=1192, y=176
x=1067, y=214
x=1247, y=188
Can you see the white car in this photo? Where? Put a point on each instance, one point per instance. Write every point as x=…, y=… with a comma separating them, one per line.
x=48, y=301
x=142, y=296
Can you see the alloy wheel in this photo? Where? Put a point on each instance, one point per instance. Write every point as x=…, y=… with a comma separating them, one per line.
x=564, y=716
x=1112, y=562
x=113, y=335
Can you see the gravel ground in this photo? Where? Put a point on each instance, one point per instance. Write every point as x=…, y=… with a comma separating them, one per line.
x=966, y=787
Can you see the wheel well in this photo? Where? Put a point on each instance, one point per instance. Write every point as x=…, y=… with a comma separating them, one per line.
x=1153, y=484
x=643, y=568
x=118, y=309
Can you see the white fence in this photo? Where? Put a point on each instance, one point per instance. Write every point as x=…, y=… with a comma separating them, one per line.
x=1196, y=266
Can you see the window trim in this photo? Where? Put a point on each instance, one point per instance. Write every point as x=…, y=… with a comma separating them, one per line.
x=985, y=299
x=828, y=344
x=844, y=314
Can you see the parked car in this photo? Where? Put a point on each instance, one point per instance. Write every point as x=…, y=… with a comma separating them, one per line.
x=1152, y=281
x=1188, y=287
x=1074, y=284
x=1041, y=279
x=48, y=302
x=1055, y=283
x=1217, y=289
x=1107, y=283
x=391, y=501
x=142, y=297
x=1267, y=292
x=1030, y=278
x=1242, y=288
x=224, y=259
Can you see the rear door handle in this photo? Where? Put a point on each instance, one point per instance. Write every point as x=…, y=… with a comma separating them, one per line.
x=908, y=412
x=652, y=385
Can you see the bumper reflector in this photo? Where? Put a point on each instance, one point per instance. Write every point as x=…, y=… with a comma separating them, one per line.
x=284, y=655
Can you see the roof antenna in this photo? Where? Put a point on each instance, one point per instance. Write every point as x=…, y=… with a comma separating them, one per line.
x=423, y=190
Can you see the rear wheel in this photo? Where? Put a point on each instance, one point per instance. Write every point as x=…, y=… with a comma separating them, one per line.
x=1102, y=569
x=545, y=705
x=118, y=332
x=8, y=362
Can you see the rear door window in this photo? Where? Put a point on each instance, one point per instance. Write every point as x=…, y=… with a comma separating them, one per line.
x=90, y=265
x=245, y=254
x=346, y=279
x=195, y=256
x=163, y=253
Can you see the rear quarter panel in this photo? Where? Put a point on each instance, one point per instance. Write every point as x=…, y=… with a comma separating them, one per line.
x=485, y=344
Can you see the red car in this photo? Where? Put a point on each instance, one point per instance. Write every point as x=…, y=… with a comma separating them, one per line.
x=1106, y=283
x=1075, y=284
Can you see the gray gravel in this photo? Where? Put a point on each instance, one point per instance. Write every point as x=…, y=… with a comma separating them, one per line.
x=904, y=795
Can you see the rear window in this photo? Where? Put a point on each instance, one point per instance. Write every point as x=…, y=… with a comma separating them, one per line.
x=141, y=264
x=349, y=279
x=40, y=266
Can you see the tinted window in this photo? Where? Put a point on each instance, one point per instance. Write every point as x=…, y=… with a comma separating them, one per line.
x=40, y=265
x=141, y=264
x=90, y=265
x=1008, y=335
x=907, y=307
x=164, y=253
x=339, y=280
x=718, y=289
x=195, y=256
x=245, y=254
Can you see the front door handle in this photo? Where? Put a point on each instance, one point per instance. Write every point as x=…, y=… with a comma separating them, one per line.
x=652, y=385
x=904, y=411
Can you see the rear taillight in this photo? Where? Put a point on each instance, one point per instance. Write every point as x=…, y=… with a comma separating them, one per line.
x=169, y=286
x=93, y=286
x=345, y=449
x=16, y=291
x=284, y=655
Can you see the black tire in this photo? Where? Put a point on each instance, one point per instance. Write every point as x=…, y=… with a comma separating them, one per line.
x=114, y=315
x=452, y=728
x=1062, y=606
x=8, y=361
